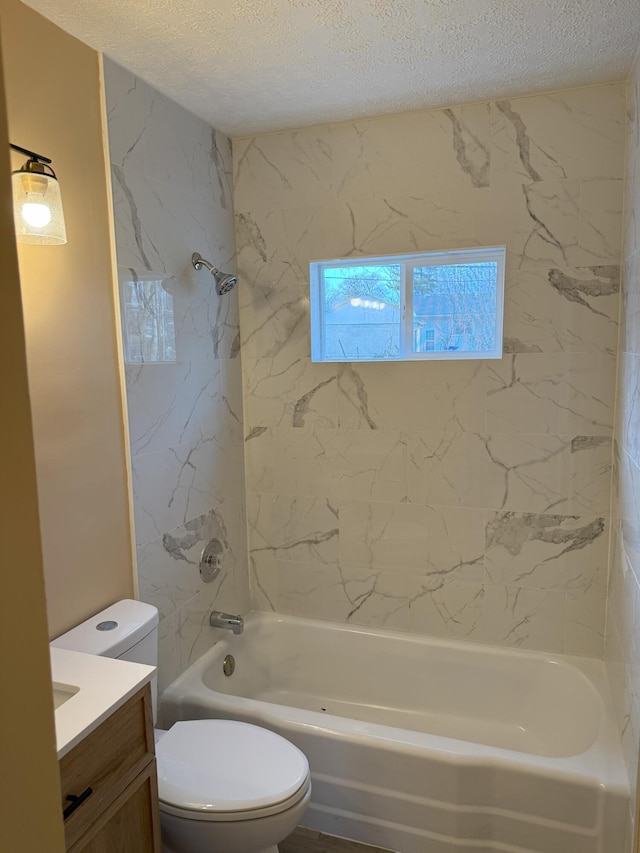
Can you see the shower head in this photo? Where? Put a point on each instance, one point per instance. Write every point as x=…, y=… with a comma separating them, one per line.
x=224, y=281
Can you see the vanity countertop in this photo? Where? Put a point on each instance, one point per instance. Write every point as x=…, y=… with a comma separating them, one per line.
x=90, y=688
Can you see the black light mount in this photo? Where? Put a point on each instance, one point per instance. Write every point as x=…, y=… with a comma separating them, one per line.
x=36, y=164
x=30, y=154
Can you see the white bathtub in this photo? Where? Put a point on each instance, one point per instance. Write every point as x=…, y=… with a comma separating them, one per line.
x=427, y=746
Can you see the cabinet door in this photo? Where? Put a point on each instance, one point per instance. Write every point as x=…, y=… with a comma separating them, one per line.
x=131, y=824
x=108, y=760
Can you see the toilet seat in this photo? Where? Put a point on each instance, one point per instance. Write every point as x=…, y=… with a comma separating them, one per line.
x=248, y=814
x=224, y=770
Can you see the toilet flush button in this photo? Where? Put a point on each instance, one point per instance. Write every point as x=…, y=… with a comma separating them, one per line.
x=109, y=625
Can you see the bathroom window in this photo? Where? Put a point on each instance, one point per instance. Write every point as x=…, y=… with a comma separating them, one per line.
x=436, y=305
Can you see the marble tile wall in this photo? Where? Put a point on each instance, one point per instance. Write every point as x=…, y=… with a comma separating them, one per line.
x=623, y=610
x=470, y=499
x=173, y=195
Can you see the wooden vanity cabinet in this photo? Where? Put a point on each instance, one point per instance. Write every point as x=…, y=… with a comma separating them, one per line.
x=117, y=763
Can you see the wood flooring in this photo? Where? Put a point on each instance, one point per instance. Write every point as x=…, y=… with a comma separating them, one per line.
x=310, y=841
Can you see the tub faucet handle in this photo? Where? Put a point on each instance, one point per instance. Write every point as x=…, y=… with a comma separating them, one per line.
x=217, y=619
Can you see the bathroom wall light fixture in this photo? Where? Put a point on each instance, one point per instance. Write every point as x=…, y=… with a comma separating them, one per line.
x=37, y=204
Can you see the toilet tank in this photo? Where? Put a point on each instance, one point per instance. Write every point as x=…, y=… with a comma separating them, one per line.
x=127, y=630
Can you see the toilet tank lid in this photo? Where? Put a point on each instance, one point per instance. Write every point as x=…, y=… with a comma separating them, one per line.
x=113, y=631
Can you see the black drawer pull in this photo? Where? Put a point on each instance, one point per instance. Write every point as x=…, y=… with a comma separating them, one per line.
x=75, y=802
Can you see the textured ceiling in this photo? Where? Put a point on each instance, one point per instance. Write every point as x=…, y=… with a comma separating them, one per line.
x=250, y=66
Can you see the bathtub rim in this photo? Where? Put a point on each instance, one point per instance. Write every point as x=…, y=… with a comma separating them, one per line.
x=602, y=763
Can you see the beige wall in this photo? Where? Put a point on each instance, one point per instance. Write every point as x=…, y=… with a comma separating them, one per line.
x=623, y=612
x=53, y=102
x=27, y=739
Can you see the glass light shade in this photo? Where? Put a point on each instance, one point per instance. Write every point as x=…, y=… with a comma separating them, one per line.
x=37, y=208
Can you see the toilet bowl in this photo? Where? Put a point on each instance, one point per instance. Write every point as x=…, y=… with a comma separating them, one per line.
x=228, y=787
x=223, y=786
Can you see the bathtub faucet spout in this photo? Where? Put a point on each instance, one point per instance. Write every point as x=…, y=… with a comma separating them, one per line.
x=226, y=620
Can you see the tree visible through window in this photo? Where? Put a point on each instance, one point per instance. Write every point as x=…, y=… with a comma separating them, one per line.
x=436, y=305
x=361, y=309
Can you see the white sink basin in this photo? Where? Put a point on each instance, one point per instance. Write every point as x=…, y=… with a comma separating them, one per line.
x=62, y=693
x=97, y=685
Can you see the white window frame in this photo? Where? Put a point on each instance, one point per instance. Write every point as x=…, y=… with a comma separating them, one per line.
x=408, y=263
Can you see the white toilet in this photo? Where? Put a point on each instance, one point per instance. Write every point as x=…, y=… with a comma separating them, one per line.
x=224, y=786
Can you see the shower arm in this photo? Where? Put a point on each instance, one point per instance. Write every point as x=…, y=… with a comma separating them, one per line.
x=198, y=262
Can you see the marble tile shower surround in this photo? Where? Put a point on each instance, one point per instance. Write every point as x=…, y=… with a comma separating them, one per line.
x=623, y=606
x=459, y=499
x=173, y=195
